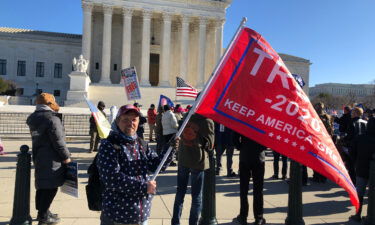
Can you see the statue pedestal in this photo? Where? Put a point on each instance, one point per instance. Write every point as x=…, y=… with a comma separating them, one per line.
x=79, y=85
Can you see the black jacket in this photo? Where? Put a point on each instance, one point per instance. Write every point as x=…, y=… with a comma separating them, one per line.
x=344, y=121
x=225, y=137
x=48, y=148
x=356, y=128
x=365, y=148
x=251, y=152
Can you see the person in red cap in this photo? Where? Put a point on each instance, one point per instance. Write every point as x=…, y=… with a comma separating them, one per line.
x=49, y=154
x=124, y=162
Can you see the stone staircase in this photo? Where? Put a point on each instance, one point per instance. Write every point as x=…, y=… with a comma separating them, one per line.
x=13, y=125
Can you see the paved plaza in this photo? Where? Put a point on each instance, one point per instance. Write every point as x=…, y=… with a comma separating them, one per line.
x=322, y=203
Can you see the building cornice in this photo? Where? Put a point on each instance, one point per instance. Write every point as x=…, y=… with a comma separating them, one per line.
x=195, y=8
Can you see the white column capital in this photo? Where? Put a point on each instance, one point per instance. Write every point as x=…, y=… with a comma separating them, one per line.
x=147, y=14
x=219, y=22
x=185, y=18
x=127, y=12
x=87, y=7
x=203, y=21
x=167, y=17
x=107, y=9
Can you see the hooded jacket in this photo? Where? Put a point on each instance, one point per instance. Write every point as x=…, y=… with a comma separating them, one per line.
x=48, y=147
x=124, y=164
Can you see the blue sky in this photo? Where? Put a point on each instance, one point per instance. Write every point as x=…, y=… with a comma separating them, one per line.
x=337, y=36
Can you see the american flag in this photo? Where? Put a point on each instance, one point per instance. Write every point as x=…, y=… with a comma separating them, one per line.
x=184, y=89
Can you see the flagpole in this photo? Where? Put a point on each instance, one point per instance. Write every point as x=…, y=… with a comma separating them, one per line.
x=200, y=97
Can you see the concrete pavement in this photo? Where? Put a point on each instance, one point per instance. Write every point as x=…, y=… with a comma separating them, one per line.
x=323, y=203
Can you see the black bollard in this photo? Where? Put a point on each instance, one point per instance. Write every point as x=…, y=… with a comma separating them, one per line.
x=370, y=218
x=21, y=202
x=295, y=195
x=208, y=216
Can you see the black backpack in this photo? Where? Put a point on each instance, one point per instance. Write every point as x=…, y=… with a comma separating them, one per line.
x=94, y=187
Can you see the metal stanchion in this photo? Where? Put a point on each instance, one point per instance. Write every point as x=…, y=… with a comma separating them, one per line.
x=370, y=218
x=208, y=216
x=21, y=202
x=295, y=195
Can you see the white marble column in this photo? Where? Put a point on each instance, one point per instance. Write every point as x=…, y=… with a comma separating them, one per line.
x=165, y=51
x=145, y=63
x=201, y=51
x=184, y=51
x=106, y=52
x=126, y=37
x=86, y=32
x=219, y=39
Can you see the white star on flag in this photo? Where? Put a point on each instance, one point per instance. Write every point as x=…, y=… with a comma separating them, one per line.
x=286, y=140
x=278, y=137
x=302, y=148
x=294, y=144
x=270, y=134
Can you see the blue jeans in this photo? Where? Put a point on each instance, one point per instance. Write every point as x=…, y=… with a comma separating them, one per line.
x=196, y=181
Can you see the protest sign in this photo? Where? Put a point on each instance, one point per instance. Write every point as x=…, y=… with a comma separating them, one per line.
x=70, y=185
x=129, y=75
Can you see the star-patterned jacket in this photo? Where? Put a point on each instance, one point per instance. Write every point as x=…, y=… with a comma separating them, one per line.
x=124, y=165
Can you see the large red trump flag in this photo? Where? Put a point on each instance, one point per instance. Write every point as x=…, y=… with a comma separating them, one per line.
x=253, y=93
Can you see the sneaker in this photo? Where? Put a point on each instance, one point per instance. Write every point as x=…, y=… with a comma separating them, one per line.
x=173, y=164
x=275, y=177
x=49, y=220
x=260, y=221
x=240, y=220
x=50, y=214
x=283, y=177
x=356, y=218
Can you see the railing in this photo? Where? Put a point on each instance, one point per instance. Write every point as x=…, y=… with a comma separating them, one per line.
x=14, y=124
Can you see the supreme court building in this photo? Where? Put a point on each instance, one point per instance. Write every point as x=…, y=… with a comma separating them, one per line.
x=161, y=38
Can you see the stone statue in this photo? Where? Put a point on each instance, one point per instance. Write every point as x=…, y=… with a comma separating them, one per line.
x=80, y=64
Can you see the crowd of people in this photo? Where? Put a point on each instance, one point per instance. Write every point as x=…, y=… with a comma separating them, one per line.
x=125, y=159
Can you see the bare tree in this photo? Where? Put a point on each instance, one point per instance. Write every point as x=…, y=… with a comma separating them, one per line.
x=330, y=101
x=351, y=98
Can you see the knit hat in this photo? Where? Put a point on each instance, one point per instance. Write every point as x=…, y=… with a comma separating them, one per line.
x=49, y=100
